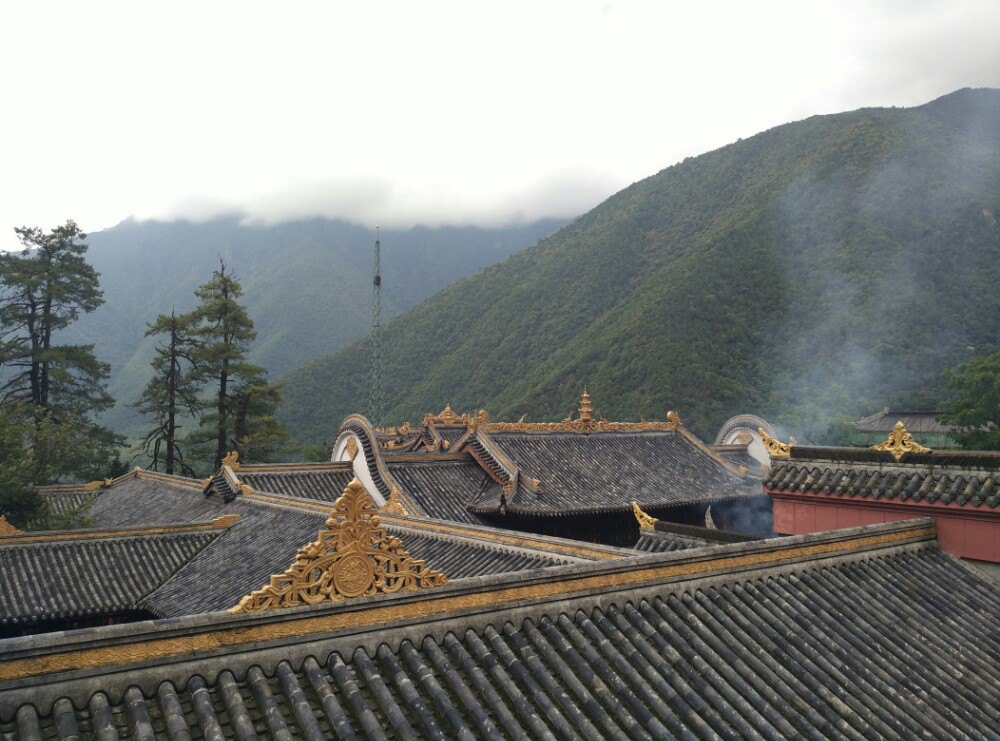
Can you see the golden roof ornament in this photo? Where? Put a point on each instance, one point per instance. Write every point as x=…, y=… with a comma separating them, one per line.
x=900, y=442
x=232, y=460
x=585, y=409
x=352, y=557
x=775, y=448
x=224, y=521
x=7, y=529
x=646, y=522
x=673, y=420
x=394, y=505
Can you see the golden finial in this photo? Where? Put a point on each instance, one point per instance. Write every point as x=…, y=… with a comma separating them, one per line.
x=352, y=557
x=673, y=420
x=585, y=409
x=900, y=443
x=232, y=460
x=6, y=528
x=646, y=522
x=775, y=448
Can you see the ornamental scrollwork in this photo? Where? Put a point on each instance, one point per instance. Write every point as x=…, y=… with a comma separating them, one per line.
x=900, y=442
x=352, y=557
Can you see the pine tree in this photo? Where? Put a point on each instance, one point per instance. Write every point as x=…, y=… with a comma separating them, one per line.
x=55, y=388
x=45, y=288
x=172, y=392
x=239, y=391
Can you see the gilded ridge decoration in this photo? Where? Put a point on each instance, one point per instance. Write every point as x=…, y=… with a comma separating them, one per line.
x=394, y=505
x=7, y=529
x=900, y=442
x=646, y=522
x=352, y=557
x=232, y=460
x=775, y=448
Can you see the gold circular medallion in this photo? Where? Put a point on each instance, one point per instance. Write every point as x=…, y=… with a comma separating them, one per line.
x=353, y=575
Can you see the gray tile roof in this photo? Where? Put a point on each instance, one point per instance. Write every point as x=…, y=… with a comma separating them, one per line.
x=606, y=471
x=89, y=575
x=670, y=536
x=174, y=576
x=443, y=489
x=64, y=502
x=914, y=422
x=942, y=477
x=898, y=644
x=324, y=483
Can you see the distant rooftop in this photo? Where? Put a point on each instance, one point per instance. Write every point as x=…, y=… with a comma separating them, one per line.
x=916, y=422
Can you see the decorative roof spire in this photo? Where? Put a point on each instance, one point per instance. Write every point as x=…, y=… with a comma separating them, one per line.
x=900, y=443
x=232, y=459
x=585, y=409
x=353, y=557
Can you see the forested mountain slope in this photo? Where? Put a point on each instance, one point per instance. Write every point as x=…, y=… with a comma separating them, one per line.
x=820, y=269
x=307, y=283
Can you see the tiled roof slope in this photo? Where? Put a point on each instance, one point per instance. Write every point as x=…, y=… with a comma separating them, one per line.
x=263, y=541
x=940, y=477
x=47, y=578
x=893, y=643
x=324, y=483
x=653, y=542
x=915, y=422
x=443, y=489
x=606, y=471
x=737, y=455
x=66, y=501
x=669, y=536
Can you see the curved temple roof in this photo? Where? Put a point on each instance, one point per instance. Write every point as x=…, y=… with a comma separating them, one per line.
x=867, y=631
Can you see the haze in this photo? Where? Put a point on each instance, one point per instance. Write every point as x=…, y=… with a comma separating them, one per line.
x=429, y=113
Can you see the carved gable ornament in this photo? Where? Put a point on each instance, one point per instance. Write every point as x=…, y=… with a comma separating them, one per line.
x=900, y=443
x=353, y=557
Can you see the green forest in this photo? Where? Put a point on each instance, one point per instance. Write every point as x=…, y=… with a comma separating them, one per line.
x=810, y=274
x=815, y=272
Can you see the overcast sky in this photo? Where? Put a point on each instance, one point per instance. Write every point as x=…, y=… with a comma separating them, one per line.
x=423, y=112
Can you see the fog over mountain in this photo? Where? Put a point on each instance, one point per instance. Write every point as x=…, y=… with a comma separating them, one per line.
x=307, y=283
x=447, y=113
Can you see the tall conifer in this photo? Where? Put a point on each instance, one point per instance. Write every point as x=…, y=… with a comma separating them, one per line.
x=172, y=392
x=239, y=411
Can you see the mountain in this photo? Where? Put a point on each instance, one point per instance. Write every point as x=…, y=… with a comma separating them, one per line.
x=817, y=270
x=307, y=283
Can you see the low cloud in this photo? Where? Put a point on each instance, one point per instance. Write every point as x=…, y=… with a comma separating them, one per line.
x=371, y=201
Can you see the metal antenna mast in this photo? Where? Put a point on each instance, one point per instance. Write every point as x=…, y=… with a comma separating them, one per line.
x=376, y=399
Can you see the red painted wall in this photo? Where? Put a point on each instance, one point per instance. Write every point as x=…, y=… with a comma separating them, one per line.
x=968, y=532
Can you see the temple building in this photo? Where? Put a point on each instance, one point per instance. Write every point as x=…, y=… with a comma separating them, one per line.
x=822, y=488
x=326, y=601
x=158, y=546
x=572, y=479
x=866, y=632
x=924, y=427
